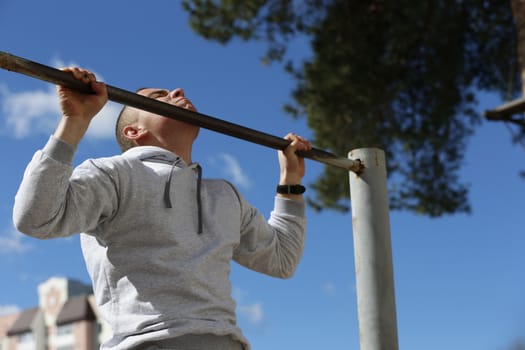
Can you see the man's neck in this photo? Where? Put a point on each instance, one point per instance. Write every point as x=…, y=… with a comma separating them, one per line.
x=183, y=152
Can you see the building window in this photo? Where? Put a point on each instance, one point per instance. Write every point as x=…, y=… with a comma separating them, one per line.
x=65, y=329
x=65, y=347
x=26, y=337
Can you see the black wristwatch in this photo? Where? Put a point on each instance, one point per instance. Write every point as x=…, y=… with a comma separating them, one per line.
x=290, y=189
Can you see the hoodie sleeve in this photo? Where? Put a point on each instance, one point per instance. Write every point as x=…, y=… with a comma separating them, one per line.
x=54, y=201
x=274, y=247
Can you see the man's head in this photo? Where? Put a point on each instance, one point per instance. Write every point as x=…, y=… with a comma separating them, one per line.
x=137, y=127
x=127, y=116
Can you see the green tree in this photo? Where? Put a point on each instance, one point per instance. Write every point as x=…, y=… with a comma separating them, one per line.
x=517, y=345
x=399, y=75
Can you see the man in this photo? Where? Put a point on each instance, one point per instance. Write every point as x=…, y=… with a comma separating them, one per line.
x=156, y=238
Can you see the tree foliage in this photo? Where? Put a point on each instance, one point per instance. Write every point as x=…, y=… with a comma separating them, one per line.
x=398, y=75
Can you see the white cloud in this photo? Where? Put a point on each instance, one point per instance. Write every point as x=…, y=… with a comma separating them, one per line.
x=30, y=112
x=103, y=125
x=254, y=312
x=329, y=289
x=232, y=170
x=58, y=63
x=12, y=242
x=37, y=111
x=8, y=310
x=238, y=294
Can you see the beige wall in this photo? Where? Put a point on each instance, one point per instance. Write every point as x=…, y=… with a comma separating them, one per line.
x=53, y=293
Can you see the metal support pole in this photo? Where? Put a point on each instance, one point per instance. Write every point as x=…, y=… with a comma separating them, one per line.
x=373, y=252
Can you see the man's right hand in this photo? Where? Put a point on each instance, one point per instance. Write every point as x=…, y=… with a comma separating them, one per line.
x=78, y=109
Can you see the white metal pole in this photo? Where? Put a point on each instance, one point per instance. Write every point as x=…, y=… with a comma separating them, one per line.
x=373, y=252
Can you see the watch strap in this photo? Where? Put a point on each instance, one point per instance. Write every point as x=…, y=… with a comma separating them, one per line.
x=291, y=189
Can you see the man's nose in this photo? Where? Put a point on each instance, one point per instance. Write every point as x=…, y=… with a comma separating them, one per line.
x=178, y=92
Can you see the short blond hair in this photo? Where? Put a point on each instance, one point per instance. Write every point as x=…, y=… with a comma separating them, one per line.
x=127, y=116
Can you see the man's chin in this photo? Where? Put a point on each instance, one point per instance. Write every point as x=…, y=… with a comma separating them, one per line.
x=189, y=107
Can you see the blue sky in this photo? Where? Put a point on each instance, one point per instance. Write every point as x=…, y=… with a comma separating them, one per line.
x=459, y=279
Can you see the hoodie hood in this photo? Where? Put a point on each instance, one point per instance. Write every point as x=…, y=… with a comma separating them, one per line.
x=153, y=153
x=160, y=155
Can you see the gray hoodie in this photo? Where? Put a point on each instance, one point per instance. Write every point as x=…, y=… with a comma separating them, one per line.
x=157, y=240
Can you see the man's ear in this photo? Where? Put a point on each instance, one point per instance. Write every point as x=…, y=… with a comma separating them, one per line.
x=134, y=132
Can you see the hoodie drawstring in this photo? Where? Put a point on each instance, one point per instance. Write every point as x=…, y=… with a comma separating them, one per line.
x=167, y=197
x=199, y=204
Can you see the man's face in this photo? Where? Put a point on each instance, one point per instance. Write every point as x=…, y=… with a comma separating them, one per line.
x=175, y=97
x=163, y=127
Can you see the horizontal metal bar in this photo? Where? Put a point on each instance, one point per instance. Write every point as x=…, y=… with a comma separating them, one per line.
x=36, y=70
x=506, y=110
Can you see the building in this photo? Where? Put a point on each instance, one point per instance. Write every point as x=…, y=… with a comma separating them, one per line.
x=66, y=318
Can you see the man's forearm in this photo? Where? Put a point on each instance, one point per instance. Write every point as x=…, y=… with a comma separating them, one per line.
x=71, y=130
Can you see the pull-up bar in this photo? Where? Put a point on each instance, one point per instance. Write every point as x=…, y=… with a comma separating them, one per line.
x=506, y=112
x=56, y=76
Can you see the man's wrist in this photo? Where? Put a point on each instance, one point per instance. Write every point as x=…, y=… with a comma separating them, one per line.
x=291, y=189
x=70, y=130
x=294, y=192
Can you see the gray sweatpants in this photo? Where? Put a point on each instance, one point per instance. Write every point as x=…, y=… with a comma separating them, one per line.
x=194, y=342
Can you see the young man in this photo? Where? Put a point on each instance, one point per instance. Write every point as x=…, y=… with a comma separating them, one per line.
x=156, y=238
